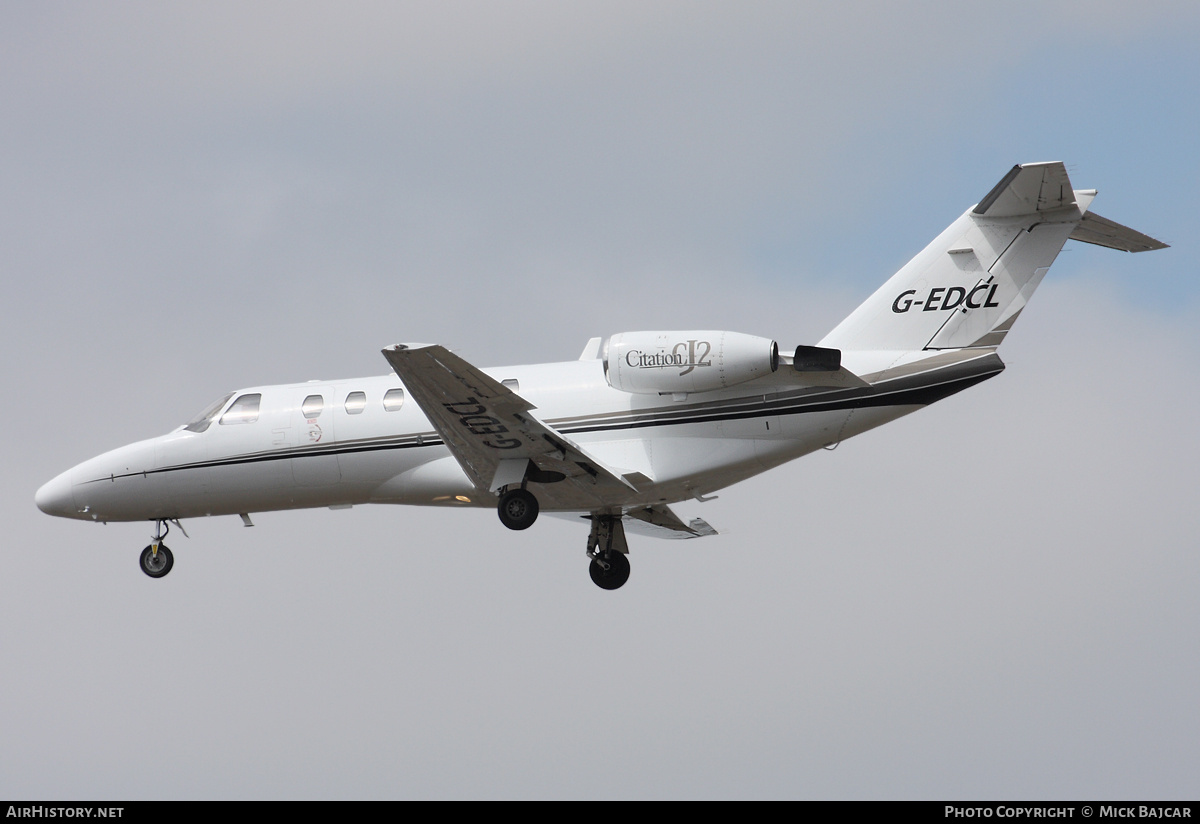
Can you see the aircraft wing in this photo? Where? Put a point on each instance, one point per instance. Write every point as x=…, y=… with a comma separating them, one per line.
x=655, y=521
x=492, y=431
x=660, y=521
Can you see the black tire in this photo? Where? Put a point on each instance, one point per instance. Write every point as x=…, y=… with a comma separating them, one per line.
x=615, y=576
x=156, y=566
x=518, y=509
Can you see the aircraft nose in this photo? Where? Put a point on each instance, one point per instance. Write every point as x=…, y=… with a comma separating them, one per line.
x=56, y=497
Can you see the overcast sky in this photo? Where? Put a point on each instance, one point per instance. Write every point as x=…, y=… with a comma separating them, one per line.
x=996, y=597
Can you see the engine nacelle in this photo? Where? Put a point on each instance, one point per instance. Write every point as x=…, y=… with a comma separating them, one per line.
x=666, y=363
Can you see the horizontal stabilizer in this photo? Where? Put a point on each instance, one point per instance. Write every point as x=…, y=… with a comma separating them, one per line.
x=1028, y=189
x=1104, y=232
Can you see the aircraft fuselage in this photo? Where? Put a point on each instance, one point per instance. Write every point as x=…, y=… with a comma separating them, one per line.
x=344, y=448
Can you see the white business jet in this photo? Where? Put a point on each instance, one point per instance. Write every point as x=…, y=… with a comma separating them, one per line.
x=641, y=420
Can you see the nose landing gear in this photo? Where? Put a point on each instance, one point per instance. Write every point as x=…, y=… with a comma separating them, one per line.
x=157, y=560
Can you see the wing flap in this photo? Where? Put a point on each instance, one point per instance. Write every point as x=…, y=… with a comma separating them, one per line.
x=660, y=521
x=656, y=521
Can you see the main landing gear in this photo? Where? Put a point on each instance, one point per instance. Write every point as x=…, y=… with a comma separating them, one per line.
x=157, y=560
x=607, y=548
x=518, y=509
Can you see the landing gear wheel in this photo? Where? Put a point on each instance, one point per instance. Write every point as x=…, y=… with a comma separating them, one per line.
x=156, y=565
x=518, y=509
x=616, y=574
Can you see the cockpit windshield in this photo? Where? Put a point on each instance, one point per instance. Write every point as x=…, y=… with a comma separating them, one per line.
x=202, y=421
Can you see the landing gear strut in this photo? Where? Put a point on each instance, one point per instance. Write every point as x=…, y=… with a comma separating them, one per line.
x=607, y=548
x=518, y=509
x=157, y=560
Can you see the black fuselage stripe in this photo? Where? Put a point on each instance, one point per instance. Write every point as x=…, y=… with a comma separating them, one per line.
x=920, y=396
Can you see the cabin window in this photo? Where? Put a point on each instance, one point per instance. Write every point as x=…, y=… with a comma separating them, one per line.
x=312, y=407
x=512, y=384
x=393, y=399
x=356, y=402
x=243, y=410
x=202, y=421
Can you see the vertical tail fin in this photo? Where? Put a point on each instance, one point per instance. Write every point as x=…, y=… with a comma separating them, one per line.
x=967, y=287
